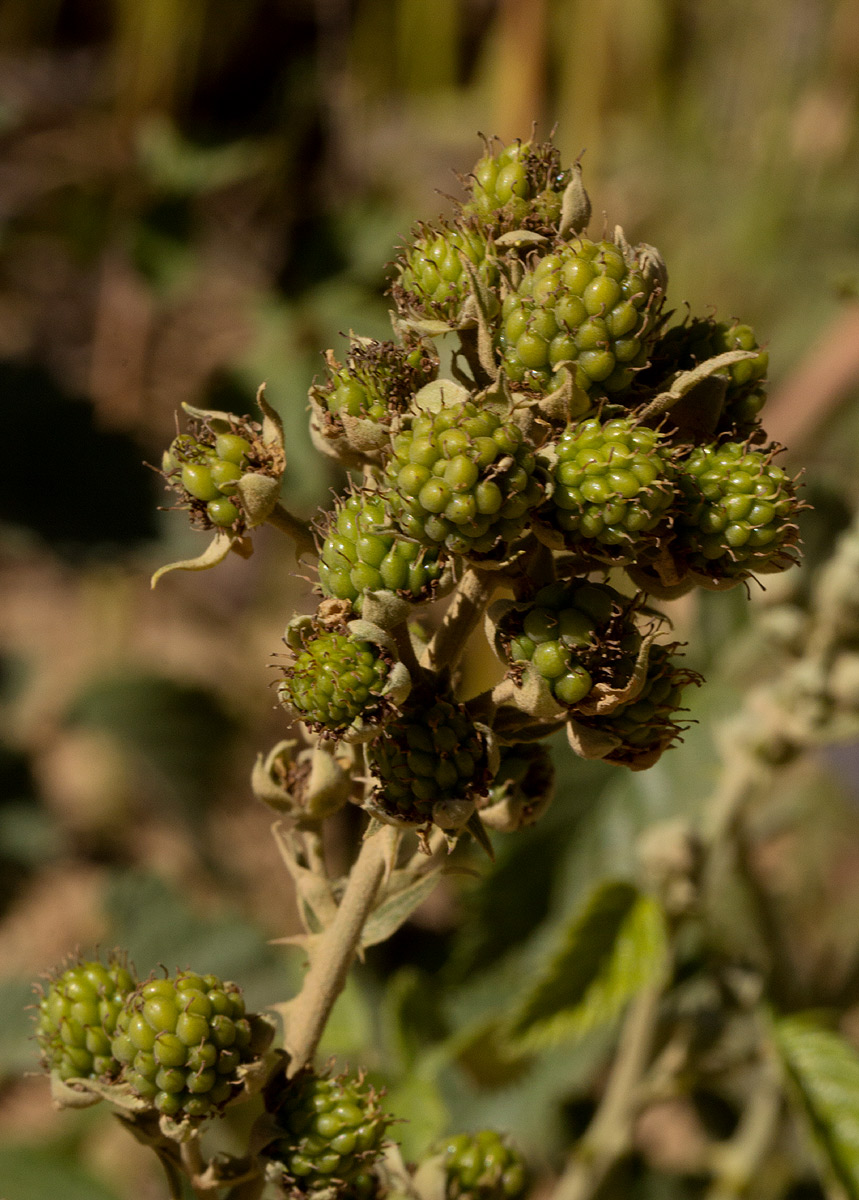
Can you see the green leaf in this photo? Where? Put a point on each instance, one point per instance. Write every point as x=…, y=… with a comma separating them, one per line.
x=825, y=1069
x=396, y=909
x=610, y=950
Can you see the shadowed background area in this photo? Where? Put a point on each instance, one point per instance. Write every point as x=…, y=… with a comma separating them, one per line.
x=198, y=195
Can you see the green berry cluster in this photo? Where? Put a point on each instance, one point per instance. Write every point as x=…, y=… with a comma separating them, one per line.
x=518, y=186
x=432, y=755
x=739, y=511
x=181, y=1042
x=378, y=380
x=647, y=725
x=330, y=1134
x=462, y=478
x=590, y=306
x=567, y=633
x=434, y=280
x=614, y=484
x=336, y=678
x=482, y=1166
x=362, y=551
x=207, y=472
x=77, y=1016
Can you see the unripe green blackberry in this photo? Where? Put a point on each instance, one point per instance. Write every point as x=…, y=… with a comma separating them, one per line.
x=77, y=1018
x=738, y=513
x=575, y=635
x=522, y=788
x=482, y=1166
x=521, y=186
x=378, y=380
x=462, y=478
x=362, y=551
x=685, y=346
x=336, y=678
x=614, y=484
x=590, y=305
x=432, y=755
x=331, y=1135
x=433, y=281
x=647, y=725
x=207, y=472
x=182, y=1041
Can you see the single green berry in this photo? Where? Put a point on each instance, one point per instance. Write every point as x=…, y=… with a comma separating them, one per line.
x=462, y=478
x=362, y=551
x=77, y=1016
x=335, y=679
x=331, y=1134
x=738, y=513
x=592, y=306
x=482, y=1166
x=614, y=485
x=182, y=1041
x=431, y=754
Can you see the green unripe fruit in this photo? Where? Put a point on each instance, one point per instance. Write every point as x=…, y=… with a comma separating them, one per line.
x=431, y=754
x=331, y=1134
x=738, y=513
x=585, y=305
x=198, y=482
x=377, y=382
x=179, y=1028
x=223, y=512
x=482, y=1166
x=683, y=347
x=231, y=448
x=518, y=186
x=335, y=679
x=614, y=484
x=648, y=724
x=433, y=279
x=572, y=634
x=464, y=478
x=360, y=552
x=77, y=1018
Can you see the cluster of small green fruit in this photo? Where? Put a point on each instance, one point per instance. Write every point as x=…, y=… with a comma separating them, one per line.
x=181, y=1047
x=586, y=452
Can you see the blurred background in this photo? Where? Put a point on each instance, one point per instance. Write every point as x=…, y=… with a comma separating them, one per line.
x=198, y=195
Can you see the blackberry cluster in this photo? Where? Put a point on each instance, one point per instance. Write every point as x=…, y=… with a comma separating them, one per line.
x=462, y=478
x=362, y=551
x=331, y=1133
x=434, y=280
x=377, y=382
x=578, y=434
x=520, y=186
x=482, y=1166
x=77, y=1017
x=591, y=306
x=336, y=678
x=181, y=1042
x=614, y=484
x=207, y=472
x=738, y=513
x=432, y=755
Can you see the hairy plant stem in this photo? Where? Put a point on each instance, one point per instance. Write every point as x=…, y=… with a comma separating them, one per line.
x=195, y=1166
x=736, y=1163
x=300, y=532
x=462, y=617
x=334, y=952
x=609, y=1136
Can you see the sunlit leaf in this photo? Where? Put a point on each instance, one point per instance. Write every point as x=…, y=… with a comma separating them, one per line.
x=825, y=1070
x=609, y=951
